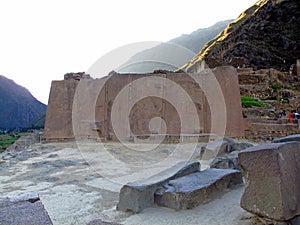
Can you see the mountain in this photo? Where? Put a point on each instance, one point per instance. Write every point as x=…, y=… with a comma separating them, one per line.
x=18, y=108
x=265, y=35
x=174, y=53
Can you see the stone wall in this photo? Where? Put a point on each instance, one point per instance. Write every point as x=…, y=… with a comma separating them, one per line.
x=273, y=87
x=177, y=98
x=58, y=124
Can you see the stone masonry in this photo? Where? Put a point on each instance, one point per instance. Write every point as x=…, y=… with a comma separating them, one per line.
x=87, y=108
x=272, y=175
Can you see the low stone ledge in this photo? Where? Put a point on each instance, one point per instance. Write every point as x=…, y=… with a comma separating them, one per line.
x=200, y=187
x=272, y=173
x=136, y=196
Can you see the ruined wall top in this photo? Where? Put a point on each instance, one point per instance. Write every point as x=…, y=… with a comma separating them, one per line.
x=76, y=76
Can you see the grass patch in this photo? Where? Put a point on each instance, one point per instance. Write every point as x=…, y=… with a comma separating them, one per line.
x=248, y=101
x=6, y=140
x=275, y=87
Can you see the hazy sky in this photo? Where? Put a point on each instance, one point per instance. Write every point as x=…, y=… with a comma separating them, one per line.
x=43, y=40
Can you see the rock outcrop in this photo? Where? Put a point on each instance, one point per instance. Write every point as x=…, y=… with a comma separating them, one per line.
x=266, y=36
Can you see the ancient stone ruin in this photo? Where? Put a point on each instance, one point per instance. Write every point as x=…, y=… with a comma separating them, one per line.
x=23, y=209
x=182, y=186
x=273, y=182
x=279, y=91
x=81, y=107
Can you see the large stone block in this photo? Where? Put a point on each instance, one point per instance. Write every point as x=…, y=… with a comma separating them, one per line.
x=272, y=172
x=23, y=209
x=58, y=123
x=200, y=187
x=295, y=137
x=139, y=195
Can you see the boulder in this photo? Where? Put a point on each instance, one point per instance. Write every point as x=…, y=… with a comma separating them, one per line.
x=136, y=196
x=272, y=173
x=194, y=189
x=295, y=137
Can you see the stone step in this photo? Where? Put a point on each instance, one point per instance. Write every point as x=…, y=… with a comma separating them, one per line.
x=200, y=187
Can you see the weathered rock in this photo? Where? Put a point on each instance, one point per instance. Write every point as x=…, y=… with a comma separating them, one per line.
x=221, y=148
x=272, y=172
x=23, y=209
x=295, y=137
x=212, y=149
x=225, y=162
x=192, y=190
x=138, y=195
x=295, y=221
x=101, y=222
x=238, y=146
x=25, y=142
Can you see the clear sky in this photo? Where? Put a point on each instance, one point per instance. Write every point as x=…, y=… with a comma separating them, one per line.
x=43, y=40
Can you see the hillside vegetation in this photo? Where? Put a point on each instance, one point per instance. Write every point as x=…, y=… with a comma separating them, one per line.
x=18, y=108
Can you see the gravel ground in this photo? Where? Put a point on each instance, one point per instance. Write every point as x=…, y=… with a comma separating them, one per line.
x=79, y=182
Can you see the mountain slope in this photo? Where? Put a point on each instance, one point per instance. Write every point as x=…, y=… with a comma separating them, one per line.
x=18, y=108
x=174, y=53
x=265, y=35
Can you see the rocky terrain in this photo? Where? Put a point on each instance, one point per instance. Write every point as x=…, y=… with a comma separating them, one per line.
x=19, y=109
x=73, y=192
x=266, y=36
x=278, y=92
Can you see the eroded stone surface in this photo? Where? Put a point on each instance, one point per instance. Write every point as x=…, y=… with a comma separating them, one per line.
x=138, y=195
x=23, y=209
x=194, y=189
x=272, y=172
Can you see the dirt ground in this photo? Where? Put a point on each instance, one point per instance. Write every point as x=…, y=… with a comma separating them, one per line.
x=79, y=182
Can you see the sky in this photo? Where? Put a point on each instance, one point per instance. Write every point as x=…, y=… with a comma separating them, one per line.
x=40, y=41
